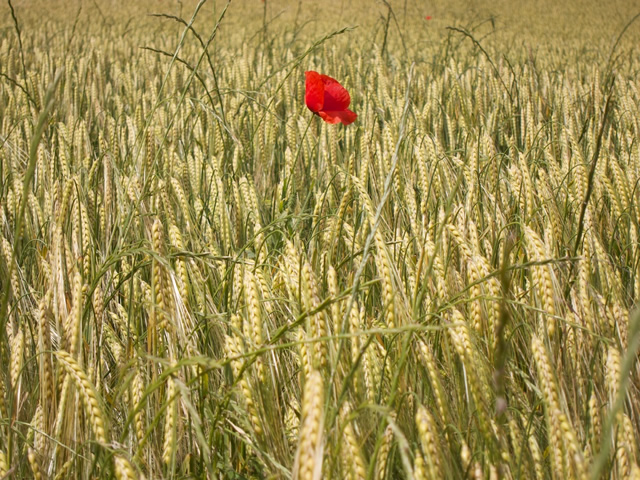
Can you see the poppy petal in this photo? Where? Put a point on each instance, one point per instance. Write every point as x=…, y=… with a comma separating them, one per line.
x=336, y=96
x=337, y=116
x=314, y=91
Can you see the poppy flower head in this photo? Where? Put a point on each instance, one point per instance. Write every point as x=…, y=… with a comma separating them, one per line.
x=325, y=97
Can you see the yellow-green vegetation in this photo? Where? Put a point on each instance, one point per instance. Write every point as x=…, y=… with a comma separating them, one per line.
x=201, y=279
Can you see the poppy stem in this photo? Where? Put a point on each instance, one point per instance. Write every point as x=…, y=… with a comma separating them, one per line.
x=264, y=21
x=295, y=160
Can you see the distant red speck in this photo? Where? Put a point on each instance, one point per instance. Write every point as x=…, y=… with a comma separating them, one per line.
x=428, y=17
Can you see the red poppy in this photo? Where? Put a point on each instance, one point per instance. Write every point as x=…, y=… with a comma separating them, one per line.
x=326, y=97
x=428, y=17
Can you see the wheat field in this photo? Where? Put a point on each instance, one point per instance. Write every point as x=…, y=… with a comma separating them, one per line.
x=202, y=279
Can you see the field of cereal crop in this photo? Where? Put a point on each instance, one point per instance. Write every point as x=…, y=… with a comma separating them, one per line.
x=200, y=278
